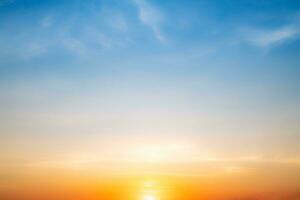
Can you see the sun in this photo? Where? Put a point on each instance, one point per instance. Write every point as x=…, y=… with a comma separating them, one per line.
x=149, y=197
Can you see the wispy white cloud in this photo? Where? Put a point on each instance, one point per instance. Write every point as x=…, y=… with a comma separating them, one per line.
x=75, y=45
x=267, y=38
x=151, y=17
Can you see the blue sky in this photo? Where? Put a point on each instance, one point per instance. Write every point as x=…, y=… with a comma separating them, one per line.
x=207, y=69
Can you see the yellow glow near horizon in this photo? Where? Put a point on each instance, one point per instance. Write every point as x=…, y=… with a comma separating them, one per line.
x=149, y=197
x=148, y=184
x=162, y=152
x=150, y=190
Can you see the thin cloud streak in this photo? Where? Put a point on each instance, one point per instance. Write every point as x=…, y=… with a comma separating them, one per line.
x=117, y=160
x=267, y=38
x=151, y=17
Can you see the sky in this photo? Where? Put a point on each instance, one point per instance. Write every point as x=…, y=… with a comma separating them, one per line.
x=206, y=88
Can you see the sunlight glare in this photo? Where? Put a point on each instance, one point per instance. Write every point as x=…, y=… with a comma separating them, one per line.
x=149, y=197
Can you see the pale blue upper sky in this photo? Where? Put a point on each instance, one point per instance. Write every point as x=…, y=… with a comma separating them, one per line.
x=213, y=69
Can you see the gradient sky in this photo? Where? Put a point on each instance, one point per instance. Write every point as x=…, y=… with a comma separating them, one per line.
x=208, y=87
